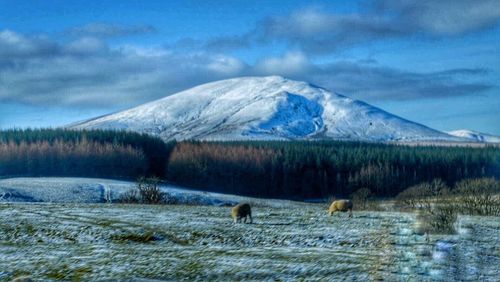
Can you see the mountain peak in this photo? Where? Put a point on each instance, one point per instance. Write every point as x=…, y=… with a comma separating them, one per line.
x=263, y=108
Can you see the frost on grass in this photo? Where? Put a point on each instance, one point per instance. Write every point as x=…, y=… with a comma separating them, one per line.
x=133, y=242
x=95, y=190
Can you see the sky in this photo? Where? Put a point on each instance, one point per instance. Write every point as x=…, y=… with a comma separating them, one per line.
x=432, y=62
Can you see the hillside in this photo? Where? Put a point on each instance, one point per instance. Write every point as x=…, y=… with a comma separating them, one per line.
x=264, y=108
x=475, y=136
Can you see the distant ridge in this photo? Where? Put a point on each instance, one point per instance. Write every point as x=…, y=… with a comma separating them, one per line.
x=475, y=136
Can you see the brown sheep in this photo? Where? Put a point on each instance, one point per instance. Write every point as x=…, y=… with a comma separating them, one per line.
x=240, y=211
x=340, y=205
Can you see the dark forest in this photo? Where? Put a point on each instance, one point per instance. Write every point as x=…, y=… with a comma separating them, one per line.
x=281, y=169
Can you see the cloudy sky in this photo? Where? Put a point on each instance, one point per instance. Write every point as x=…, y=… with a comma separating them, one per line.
x=434, y=62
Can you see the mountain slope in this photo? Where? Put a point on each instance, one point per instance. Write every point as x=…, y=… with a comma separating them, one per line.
x=263, y=108
x=475, y=136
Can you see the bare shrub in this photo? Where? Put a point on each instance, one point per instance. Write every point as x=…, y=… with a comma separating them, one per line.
x=479, y=196
x=437, y=213
x=423, y=195
x=149, y=190
x=440, y=219
x=130, y=197
x=443, y=218
x=360, y=198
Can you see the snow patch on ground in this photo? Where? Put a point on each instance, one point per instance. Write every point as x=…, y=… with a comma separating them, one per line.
x=94, y=190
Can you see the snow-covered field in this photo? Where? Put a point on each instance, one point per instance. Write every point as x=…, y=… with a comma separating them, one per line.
x=135, y=242
x=66, y=228
x=95, y=190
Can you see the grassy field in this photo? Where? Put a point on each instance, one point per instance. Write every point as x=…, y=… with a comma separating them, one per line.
x=134, y=242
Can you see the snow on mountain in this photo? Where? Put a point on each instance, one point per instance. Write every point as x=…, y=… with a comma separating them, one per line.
x=475, y=136
x=264, y=108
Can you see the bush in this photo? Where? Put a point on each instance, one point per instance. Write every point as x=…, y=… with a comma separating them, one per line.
x=360, y=198
x=436, y=213
x=438, y=208
x=440, y=219
x=130, y=197
x=443, y=218
x=149, y=191
x=423, y=195
x=479, y=196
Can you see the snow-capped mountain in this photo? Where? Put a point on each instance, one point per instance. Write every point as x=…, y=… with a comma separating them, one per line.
x=475, y=136
x=264, y=108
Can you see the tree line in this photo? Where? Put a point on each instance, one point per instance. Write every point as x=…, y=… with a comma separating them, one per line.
x=307, y=169
x=92, y=153
x=282, y=169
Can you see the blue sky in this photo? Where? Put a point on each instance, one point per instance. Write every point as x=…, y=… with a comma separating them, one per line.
x=433, y=62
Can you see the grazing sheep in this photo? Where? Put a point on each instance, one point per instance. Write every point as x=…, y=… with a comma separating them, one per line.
x=240, y=211
x=340, y=205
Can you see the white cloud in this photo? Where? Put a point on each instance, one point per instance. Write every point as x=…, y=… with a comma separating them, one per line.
x=86, y=72
x=292, y=63
x=444, y=17
x=13, y=44
x=86, y=45
x=225, y=65
x=316, y=31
